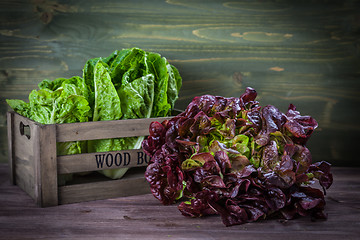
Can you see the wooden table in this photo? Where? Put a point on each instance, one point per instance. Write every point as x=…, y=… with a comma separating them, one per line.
x=143, y=217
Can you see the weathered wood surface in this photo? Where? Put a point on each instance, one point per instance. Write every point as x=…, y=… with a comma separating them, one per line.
x=301, y=52
x=143, y=217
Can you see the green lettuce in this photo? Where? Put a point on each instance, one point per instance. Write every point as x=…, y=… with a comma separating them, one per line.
x=20, y=106
x=143, y=83
x=59, y=101
x=128, y=84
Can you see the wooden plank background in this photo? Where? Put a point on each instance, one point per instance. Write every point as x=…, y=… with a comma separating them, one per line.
x=302, y=52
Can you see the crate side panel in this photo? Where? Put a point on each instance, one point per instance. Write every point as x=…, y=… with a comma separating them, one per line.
x=24, y=159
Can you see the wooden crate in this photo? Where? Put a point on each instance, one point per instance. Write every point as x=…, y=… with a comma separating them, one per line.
x=35, y=166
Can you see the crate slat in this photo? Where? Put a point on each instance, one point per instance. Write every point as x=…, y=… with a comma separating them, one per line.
x=104, y=129
x=134, y=185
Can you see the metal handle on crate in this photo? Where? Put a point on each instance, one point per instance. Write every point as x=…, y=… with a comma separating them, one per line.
x=25, y=130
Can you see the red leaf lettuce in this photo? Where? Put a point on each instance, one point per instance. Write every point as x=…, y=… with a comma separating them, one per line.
x=232, y=157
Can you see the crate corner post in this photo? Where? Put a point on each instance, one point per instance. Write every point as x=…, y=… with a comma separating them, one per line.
x=46, y=166
x=10, y=132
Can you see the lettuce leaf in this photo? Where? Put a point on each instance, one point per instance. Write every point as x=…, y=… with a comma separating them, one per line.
x=107, y=102
x=20, y=106
x=167, y=84
x=137, y=97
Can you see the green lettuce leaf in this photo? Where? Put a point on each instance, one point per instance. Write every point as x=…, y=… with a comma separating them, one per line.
x=136, y=102
x=128, y=65
x=158, y=67
x=106, y=106
x=20, y=106
x=60, y=106
x=137, y=97
x=107, y=102
x=174, y=86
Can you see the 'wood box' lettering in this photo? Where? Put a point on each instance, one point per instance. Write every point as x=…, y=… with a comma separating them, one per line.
x=100, y=161
x=118, y=159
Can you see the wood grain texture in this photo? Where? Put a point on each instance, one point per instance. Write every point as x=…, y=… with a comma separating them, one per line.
x=304, y=52
x=143, y=217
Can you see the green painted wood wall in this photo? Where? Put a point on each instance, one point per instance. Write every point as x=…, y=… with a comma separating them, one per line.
x=302, y=52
